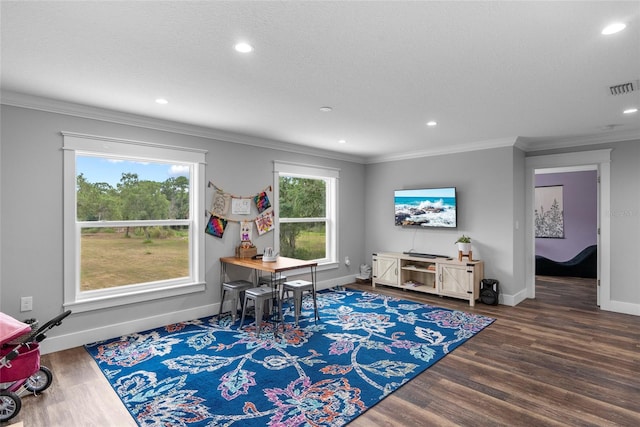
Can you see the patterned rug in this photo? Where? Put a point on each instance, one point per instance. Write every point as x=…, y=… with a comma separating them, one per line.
x=209, y=373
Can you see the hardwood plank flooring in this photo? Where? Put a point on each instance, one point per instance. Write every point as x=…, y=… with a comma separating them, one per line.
x=556, y=360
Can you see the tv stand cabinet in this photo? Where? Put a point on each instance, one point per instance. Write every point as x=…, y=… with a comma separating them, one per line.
x=440, y=276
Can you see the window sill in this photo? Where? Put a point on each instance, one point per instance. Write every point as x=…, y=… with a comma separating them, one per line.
x=104, y=302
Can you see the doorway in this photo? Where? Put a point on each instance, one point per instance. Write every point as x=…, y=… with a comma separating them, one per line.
x=599, y=159
x=566, y=237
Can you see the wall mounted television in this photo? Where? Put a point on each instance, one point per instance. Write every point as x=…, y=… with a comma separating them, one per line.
x=426, y=207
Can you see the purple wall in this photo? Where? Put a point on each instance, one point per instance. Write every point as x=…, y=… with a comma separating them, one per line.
x=580, y=200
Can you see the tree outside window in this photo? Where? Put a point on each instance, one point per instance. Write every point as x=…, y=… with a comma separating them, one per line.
x=130, y=230
x=306, y=207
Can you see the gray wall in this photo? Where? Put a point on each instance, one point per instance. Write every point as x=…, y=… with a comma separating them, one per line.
x=490, y=187
x=624, y=217
x=31, y=218
x=625, y=222
x=485, y=182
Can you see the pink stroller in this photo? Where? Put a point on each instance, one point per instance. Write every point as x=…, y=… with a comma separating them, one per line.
x=20, y=369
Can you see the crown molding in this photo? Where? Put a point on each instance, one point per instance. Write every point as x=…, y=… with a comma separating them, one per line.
x=540, y=144
x=462, y=148
x=33, y=102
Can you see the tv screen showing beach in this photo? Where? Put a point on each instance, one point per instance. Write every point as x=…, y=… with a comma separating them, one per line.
x=428, y=207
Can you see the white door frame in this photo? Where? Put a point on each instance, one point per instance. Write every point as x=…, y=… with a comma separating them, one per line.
x=601, y=159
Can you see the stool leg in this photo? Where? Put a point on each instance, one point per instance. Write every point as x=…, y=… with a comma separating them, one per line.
x=258, y=309
x=234, y=305
x=224, y=292
x=244, y=307
x=315, y=305
x=297, y=304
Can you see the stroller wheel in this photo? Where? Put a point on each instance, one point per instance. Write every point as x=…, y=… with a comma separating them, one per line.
x=10, y=405
x=39, y=381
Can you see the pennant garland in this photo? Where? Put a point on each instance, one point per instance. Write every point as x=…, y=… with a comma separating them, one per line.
x=220, y=207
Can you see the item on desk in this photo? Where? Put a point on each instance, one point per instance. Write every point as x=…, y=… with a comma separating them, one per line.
x=246, y=250
x=269, y=255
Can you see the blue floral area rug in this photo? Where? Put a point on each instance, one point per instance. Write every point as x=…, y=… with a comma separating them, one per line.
x=209, y=373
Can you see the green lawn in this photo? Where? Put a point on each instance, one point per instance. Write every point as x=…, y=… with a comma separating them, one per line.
x=110, y=260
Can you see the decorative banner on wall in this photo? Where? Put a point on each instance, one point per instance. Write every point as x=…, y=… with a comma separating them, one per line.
x=264, y=222
x=240, y=205
x=216, y=226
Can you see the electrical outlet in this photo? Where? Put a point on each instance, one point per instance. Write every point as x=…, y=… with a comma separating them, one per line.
x=26, y=303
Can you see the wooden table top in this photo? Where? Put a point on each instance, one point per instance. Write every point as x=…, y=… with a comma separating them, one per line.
x=280, y=265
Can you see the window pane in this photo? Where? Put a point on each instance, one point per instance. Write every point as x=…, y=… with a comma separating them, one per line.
x=112, y=257
x=112, y=189
x=302, y=197
x=305, y=241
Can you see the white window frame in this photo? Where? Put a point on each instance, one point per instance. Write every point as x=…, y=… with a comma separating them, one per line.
x=81, y=144
x=331, y=176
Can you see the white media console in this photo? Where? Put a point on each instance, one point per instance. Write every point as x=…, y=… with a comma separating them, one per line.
x=434, y=275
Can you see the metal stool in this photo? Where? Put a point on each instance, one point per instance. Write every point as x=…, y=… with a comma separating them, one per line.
x=266, y=280
x=298, y=287
x=236, y=290
x=259, y=296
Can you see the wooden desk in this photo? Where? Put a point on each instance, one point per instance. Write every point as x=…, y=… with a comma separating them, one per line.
x=281, y=265
x=275, y=268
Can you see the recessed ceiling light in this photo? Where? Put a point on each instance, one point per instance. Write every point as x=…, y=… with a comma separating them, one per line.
x=342, y=141
x=613, y=28
x=432, y=123
x=243, y=47
x=162, y=101
x=326, y=109
x=630, y=111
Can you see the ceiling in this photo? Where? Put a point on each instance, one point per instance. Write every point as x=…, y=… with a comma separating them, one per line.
x=535, y=74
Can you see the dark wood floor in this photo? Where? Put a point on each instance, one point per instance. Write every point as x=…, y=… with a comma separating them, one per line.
x=553, y=361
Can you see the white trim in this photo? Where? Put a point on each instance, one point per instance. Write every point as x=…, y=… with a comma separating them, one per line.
x=600, y=158
x=305, y=170
x=20, y=100
x=331, y=177
x=75, y=143
x=113, y=330
x=451, y=149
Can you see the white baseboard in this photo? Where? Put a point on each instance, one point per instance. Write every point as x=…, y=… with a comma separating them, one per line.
x=513, y=300
x=79, y=338
x=622, y=307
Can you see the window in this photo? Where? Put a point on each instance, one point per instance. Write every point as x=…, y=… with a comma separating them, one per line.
x=130, y=211
x=306, y=205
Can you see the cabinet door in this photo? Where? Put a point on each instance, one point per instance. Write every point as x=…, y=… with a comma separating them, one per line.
x=456, y=280
x=385, y=270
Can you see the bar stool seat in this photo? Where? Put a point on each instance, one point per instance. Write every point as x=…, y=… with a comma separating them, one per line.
x=260, y=296
x=236, y=291
x=298, y=287
x=266, y=280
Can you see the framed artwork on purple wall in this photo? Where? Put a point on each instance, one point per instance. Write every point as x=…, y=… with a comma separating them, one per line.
x=549, y=217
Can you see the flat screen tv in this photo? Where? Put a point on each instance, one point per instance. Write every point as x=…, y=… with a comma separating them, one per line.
x=426, y=207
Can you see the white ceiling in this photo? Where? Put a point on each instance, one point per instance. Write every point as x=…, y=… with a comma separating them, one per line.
x=490, y=73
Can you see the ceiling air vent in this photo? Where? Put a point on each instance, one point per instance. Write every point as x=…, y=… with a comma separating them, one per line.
x=624, y=88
